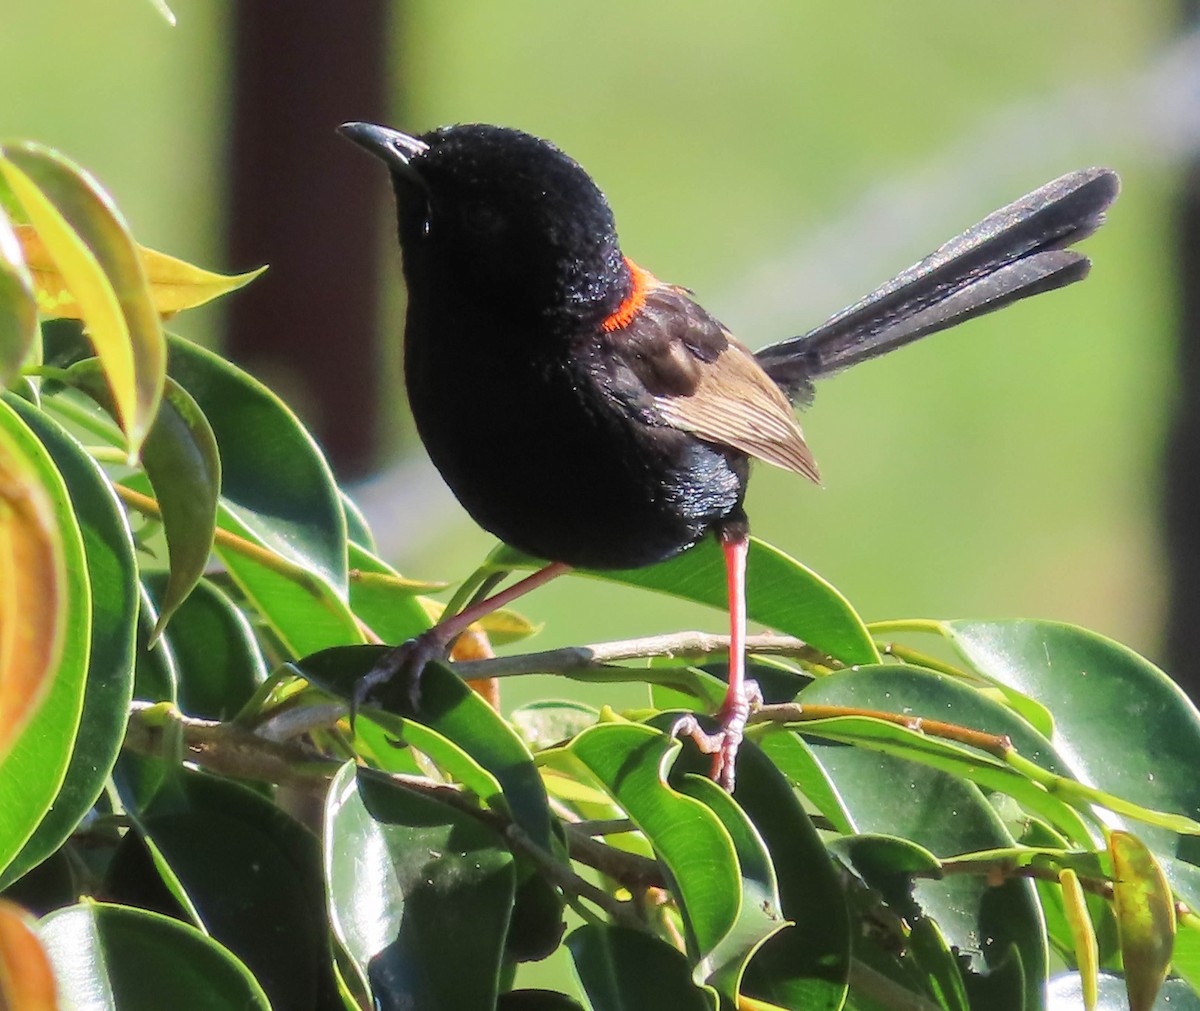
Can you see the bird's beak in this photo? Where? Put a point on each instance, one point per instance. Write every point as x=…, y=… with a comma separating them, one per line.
x=395, y=149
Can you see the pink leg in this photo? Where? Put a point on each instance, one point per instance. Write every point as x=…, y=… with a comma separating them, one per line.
x=406, y=661
x=741, y=695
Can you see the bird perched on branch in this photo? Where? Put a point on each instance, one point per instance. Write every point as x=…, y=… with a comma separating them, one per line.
x=594, y=416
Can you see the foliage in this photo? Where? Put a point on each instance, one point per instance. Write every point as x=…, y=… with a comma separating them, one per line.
x=1001, y=819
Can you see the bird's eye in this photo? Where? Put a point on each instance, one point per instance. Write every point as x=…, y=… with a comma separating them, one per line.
x=481, y=218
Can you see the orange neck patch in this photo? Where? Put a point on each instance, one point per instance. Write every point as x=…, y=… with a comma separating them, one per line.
x=643, y=281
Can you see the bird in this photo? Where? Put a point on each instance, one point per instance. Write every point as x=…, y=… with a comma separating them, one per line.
x=593, y=416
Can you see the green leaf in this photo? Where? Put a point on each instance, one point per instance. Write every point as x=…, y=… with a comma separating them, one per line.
x=916, y=693
x=18, y=310
x=1086, y=950
x=780, y=593
x=1065, y=993
x=90, y=244
x=274, y=479
x=410, y=879
x=761, y=914
x=629, y=761
x=807, y=964
x=624, y=970
x=947, y=816
x=218, y=662
x=181, y=462
x=791, y=755
x=112, y=570
x=1128, y=728
x=1145, y=914
x=103, y=954
x=450, y=712
x=35, y=765
x=380, y=597
x=251, y=874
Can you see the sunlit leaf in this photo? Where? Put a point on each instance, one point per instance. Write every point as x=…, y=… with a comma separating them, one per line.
x=89, y=240
x=26, y=976
x=112, y=567
x=175, y=284
x=18, y=312
x=103, y=954
x=33, y=576
x=410, y=880
x=1145, y=918
x=1087, y=953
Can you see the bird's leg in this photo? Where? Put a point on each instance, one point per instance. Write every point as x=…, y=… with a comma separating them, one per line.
x=741, y=695
x=398, y=672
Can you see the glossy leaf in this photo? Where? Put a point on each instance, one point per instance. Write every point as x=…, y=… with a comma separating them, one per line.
x=36, y=764
x=1145, y=914
x=947, y=816
x=623, y=969
x=181, y=461
x=807, y=964
x=218, y=661
x=112, y=570
x=379, y=597
x=1128, y=728
x=629, y=761
x=451, y=712
x=251, y=874
x=102, y=953
x=89, y=241
x=410, y=879
x=790, y=754
x=174, y=284
x=1065, y=993
x=1087, y=951
x=761, y=913
x=780, y=593
x=274, y=478
x=35, y=520
x=916, y=693
x=18, y=311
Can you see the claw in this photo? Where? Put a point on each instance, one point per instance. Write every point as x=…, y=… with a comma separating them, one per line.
x=724, y=743
x=396, y=676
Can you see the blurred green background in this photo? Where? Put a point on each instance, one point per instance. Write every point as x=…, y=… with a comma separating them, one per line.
x=780, y=158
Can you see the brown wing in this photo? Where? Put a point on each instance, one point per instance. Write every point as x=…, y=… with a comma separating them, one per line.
x=703, y=381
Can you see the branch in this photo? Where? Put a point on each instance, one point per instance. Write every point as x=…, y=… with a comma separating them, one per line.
x=687, y=647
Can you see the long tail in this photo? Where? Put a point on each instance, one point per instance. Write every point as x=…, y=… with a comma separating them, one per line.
x=1017, y=251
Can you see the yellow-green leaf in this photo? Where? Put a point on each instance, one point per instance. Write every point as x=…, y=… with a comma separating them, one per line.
x=18, y=313
x=175, y=284
x=32, y=578
x=1087, y=951
x=1145, y=915
x=26, y=976
x=90, y=243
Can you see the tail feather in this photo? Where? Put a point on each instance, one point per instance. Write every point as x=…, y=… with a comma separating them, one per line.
x=1011, y=254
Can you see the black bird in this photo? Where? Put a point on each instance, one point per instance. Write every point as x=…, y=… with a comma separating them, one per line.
x=589, y=414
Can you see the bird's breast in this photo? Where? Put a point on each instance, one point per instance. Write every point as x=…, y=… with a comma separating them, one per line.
x=540, y=455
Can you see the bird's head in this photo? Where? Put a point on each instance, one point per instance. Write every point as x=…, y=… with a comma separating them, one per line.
x=498, y=214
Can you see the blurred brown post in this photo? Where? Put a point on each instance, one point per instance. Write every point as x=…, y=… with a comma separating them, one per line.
x=303, y=201
x=1182, y=459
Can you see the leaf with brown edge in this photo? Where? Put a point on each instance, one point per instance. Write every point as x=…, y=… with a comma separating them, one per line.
x=18, y=313
x=26, y=976
x=1145, y=914
x=88, y=239
x=175, y=284
x=32, y=579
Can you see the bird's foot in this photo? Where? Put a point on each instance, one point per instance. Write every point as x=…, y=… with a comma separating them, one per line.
x=395, y=680
x=724, y=743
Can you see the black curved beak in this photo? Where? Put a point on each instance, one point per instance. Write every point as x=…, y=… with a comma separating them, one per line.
x=395, y=149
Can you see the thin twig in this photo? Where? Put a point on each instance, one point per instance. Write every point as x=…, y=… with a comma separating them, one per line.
x=686, y=647
x=998, y=745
